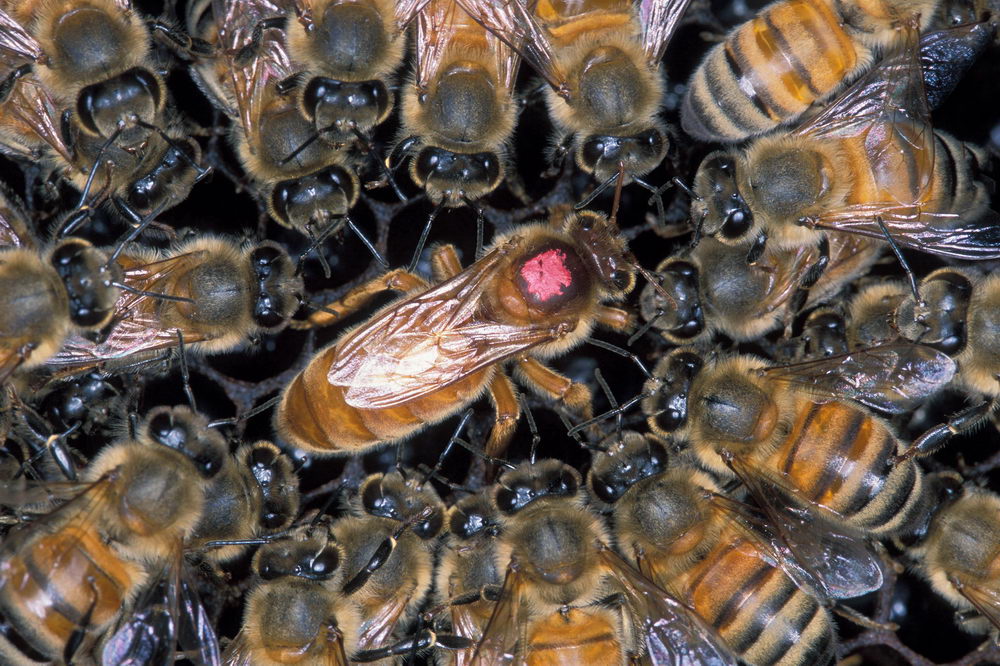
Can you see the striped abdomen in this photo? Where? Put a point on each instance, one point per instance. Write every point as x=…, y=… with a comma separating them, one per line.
x=763, y=616
x=50, y=585
x=838, y=455
x=769, y=71
x=575, y=637
x=314, y=413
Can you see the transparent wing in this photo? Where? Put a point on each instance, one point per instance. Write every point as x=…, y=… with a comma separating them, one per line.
x=943, y=234
x=893, y=378
x=985, y=601
x=435, y=28
x=513, y=23
x=406, y=11
x=505, y=629
x=659, y=21
x=13, y=224
x=238, y=652
x=815, y=548
x=17, y=46
x=379, y=627
x=428, y=342
x=674, y=634
x=30, y=111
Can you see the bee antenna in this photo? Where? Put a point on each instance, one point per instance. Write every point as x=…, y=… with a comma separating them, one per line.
x=369, y=148
x=302, y=146
x=185, y=373
x=653, y=281
x=83, y=209
x=134, y=233
x=400, y=149
x=202, y=171
x=683, y=187
x=644, y=328
x=918, y=301
x=423, y=237
x=328, y=503
x=599, y=376
x=366, y=242
x=575, y=434
x=657, y=196
x=621, y=352
x=480, y=219
x=247, y=415
x=532, y=428
x=597, y=191
x=625, y=406
x=315, y=242
x=152, y=294
x=462, y=422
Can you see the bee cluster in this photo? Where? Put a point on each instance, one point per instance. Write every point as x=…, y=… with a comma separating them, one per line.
x=266, y=266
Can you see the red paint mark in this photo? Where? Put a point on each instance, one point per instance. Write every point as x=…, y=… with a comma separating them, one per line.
x=546, y=274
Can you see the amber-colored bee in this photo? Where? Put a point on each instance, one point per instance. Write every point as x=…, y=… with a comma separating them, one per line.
x=351, y=50
x=794, y=53
x=602, y=63
x=81, y=89
x=47, y=295
x=868, y=164
x=681, y=532
x=714, y=290
x=218, y=295
x=254, y=494
x=67, y=576
x=960, y=557
x=306, y=184
x=536, y=294
x=469, y=568
x=459, y=112
x=559, y=572
x=827, y=471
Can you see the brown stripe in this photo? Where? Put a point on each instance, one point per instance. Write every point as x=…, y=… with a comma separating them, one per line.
x=792, y=59
x=793, y=451
x=750, y=587
x=705, y=566
x=745, y=83
x=842, y=450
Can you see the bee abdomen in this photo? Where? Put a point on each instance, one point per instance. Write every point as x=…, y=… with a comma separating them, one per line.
x=768, y=71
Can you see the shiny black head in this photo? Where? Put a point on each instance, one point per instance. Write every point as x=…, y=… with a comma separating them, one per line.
x=314, y=559
x=667, y=408
x=389, y=496
x=640, y=153
x=169, y=181
x=471, y=517
x=681, y=315
x=615, y=472
x=278, y=485
x=180, y=429
x=454, y=177
x=88, y=279
x=337, y=107
x=279, y=288
x=519, y=487
x=727, y=215
x=311, y=201
x=103, y=107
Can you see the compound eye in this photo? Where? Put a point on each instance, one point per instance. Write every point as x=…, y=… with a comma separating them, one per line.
x=164, y=430
x=264, y=259
x=272, y=516
x=564, y=485
x=324, y=564
x=377, y=503
x=466, y=525
x=604, y=490
x=621, y=279
x=738, y=221
x=428, y=529
x=267, y=312
x=594, y=150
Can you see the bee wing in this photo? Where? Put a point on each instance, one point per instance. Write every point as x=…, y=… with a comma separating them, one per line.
x=31, y=111
x=406, y=11
x=428, y=342
x=659, y=21
x=13, y=224
x=168, y=615
x=506, y=628
x=816, y=549
x=270, y=63
x=985, y=601
x=674, y=634
x=380, y=626
x=911, y=227
x=238, y=652
x=892, y=378
x=17, y=46
x=435, y=27
x=513, y=24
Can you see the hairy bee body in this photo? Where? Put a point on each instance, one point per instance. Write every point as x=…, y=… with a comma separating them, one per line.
x=795, y=53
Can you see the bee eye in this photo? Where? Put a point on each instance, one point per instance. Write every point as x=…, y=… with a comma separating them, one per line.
x=621, y=279
x=325, y=563
x=738, y=221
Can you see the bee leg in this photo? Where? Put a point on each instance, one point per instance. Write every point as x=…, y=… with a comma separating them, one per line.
x=181, y=41
x=936, y=437
x=426, y=639
x=809, y=278
x=616, y=319
x=857, y=618
x=546, y=382
x=508, y=411
x=395, y=280
x=7, y=86
x=445, y=262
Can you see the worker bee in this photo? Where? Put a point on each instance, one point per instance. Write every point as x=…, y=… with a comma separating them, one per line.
x=459, y=110
x=537, y=293
x=685, y=536
x=602, y=63
x=350, y=50
x=869, y=164
x=306, y=184
x=469, y=569
x=959, y=555
x=560, y=572
x=47, y=295
x=827, y=471
x=254, y=494
x=714, y=290
x=80, y=89
x=209, y=294
x=68, y=575
x=793, y=54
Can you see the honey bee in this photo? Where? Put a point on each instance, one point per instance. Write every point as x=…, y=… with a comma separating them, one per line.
x=468, y=568
x=47, y=295
x=602, y=63
x=67, y=576
x=460, y=109
x=714, y=289
x=869, y=164
x=306, y=184
x=254, y=494
x=675, y=525
x=218, y=295
x=537, y=293
x=773, y=68
x=294, y=615
x=826, y=470
x=958, y=318
x=959, y=557
x=560, y=572
x=350, y=49
x=80, y=88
